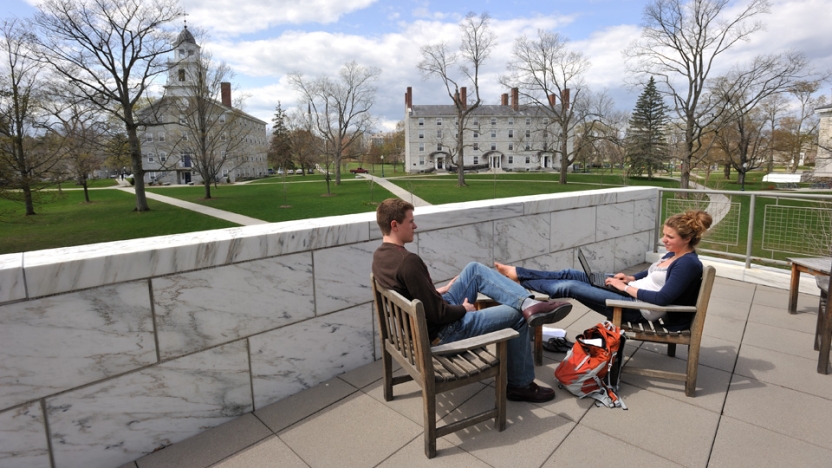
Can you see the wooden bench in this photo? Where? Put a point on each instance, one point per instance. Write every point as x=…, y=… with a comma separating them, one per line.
x=404, y=337
x=656, y=332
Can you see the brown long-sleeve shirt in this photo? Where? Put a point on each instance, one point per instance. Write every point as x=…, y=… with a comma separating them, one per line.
x=396, y=268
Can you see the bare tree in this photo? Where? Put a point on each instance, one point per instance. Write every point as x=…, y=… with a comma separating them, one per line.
x=305, y=146
x=550, y=76
x=740, y=94
x=28, y=152
x=803, y=130
x=339, y=109
x=680, y=42
x=109, y=51
x=461, y=68
x=772, y=108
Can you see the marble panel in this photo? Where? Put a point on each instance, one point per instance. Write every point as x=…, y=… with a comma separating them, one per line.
x=55, y=343
x=342, y=276
x=23, y=438
x=119, y=420
x=446, y=252
x=626, y=194
x=644, y=215
x=300, y=356
x=69, y=268
x=554, y=261
x=629, y=250
x=204, y=308
x=600, y=255
x=430, y=218
x=519, y=238
x=12, y=284
x=572, y=228
x=614, y=220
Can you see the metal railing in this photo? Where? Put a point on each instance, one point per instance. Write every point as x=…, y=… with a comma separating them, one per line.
x=792, y=224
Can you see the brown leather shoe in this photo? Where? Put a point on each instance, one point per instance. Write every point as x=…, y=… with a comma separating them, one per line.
x=546, y=312
x=533, y=393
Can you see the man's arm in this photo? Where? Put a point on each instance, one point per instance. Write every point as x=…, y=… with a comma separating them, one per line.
x=415, y=277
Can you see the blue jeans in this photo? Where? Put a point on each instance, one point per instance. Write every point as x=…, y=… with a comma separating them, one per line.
x=478, y=278
x=575, y=284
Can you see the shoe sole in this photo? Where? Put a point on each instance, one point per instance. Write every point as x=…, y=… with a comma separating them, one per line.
x=550, y=317
x=529, y=400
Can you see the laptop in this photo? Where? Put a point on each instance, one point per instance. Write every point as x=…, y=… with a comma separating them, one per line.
x=596, y=279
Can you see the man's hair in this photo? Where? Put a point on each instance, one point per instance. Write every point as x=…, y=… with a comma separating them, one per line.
x=392, y=209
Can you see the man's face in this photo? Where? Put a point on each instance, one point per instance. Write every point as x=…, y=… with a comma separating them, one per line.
x=404, y=230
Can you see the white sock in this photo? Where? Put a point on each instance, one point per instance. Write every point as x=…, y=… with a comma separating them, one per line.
x=528, y=303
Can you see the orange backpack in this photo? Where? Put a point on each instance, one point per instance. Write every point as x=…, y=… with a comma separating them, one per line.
x=593, y=366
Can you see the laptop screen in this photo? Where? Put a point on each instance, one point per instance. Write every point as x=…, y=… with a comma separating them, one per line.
x=584, y=263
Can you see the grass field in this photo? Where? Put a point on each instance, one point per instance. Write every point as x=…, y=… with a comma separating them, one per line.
x=64, y=220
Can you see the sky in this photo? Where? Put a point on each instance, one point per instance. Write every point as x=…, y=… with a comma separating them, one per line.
x=263, y=42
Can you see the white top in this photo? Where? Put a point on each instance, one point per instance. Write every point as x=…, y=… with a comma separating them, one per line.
x=654, y=281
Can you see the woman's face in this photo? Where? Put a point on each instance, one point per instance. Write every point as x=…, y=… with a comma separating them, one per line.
x=672, y=241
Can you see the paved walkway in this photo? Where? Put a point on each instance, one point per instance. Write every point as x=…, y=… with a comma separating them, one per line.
x=221, y=214
x=396, y=190
x=759, y=402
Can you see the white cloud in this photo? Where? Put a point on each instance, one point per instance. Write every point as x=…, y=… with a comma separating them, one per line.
x=246, y=16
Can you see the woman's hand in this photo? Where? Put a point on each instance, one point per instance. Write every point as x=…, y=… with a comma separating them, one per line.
x=624, y=278
x=616, y=282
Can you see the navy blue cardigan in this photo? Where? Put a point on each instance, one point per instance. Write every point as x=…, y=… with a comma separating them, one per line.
x=684, y=278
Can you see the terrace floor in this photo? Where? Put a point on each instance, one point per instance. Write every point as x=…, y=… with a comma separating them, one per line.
x=759, y=402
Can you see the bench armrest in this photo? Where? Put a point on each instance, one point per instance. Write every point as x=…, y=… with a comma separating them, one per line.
x=474, y=342
x=649, y=306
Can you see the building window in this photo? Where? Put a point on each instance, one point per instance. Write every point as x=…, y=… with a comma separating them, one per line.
x=528, y=121
x=438, y=121
x=421, y=160
x=181, y=52
x=421, y=121
x=149, y=158
x=181, y=74
x=162, y=157
x=181, y=119
x=161, y=137
x=511, y=159
x=545, y=122
x=528, y=146
x=528, y=159
x=476, y=121
x=439, y=134
x=421, y=146
x=222, y=118
x=148, y=137
x=493, y=121
x=511, y=146
x=528, y=133
x=225, y=172
x=439, y=147
x=421, y=134
x=493, y=133
x=476, y=146
x=476, y=160
x=511, y=133
x=493, y=146
x=222, y=136
x=476, y=134
x=511, y=121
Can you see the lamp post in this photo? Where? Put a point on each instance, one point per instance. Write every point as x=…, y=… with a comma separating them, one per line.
x=382, y=166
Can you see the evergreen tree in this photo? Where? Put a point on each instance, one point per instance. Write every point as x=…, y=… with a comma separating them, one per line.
x=280, y=147
x=645, y=142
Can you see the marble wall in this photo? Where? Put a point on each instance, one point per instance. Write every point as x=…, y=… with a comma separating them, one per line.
x=110, y=351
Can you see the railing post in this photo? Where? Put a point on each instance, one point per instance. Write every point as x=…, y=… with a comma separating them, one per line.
x=750, y=239
x=658, y=221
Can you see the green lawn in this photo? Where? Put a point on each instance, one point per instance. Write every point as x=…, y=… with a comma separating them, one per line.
x=64, y=220
x=274, y=201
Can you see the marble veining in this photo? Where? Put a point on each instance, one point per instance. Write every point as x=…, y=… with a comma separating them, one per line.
x=302, y=355
x=446, y=252
x=342, y=276
x=571, y=228
x=644, y=215
x=119, y=420
x=203, y=308
x=430, y=218
x=629, y=250
x=23, y=438
x=523, y=237
x=56, y=343
x=614, y=220
x=600, y=256
x=12, y=286
x=625, y=194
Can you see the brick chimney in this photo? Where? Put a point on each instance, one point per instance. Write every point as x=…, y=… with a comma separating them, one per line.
x=225, y=87
x=564, y=97
x=408, y=98
x=515, y=99
x=463, y=97
x=552, y=100
x=504, y=99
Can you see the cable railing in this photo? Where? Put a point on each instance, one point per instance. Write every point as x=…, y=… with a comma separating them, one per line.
x=761, y=226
